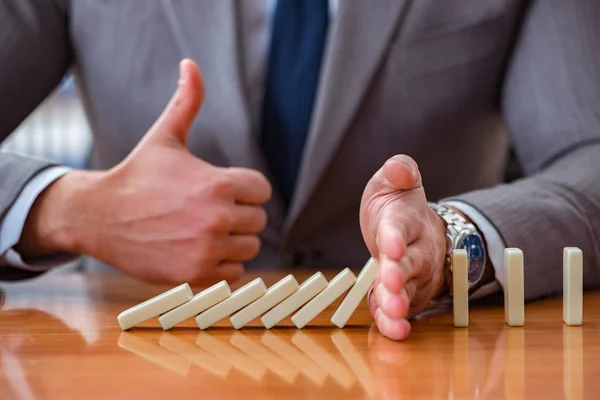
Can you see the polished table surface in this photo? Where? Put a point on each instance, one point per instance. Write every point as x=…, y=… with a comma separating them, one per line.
x=59, y=339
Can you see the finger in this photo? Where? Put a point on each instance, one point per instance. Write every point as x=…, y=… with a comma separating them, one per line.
x=248, y=219
x=177, y=118
x=395, y=231
x=394, y=274
x=228, y=271
x=250, y=186
x=397, y=305
x=394, y=305
x=395, y=329
x=402, y=173
x=241, y=247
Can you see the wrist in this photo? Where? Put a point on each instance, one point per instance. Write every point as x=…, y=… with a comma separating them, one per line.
x=463, y=233
x=53, y=224
x=489, y=273
x=440, y=255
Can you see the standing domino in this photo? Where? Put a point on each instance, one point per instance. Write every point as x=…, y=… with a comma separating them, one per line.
x=514, y=287
x=196, y=305
x=365, y=279
x=276, y=294
x=239, y=299
x=338, y=285
x=155, y=306
x=572, y=286
x=309, y=289
x=460, y=288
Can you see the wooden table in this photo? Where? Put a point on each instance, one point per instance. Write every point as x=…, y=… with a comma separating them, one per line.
x=59, y=339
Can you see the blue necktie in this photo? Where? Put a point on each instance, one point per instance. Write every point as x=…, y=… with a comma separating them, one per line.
x=297, y=43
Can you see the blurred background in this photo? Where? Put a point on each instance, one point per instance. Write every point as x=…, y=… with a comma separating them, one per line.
x=58, y=130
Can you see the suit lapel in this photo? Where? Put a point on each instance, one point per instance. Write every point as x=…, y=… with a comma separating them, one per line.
x=208, y=33
x=356, y=45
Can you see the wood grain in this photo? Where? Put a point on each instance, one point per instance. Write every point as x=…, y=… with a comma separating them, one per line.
x=59, y=339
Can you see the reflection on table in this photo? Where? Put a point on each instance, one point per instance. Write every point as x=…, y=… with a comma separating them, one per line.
x=59, y=339
x=466, y=369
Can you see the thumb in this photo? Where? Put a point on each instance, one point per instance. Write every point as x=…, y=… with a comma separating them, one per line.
x=174, y=123
x=402, y=173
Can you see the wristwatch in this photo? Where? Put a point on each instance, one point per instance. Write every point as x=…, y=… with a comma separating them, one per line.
x=462, y=234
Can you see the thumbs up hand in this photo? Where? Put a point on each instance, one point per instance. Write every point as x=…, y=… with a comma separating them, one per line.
x=408, y=239
x=162, y=215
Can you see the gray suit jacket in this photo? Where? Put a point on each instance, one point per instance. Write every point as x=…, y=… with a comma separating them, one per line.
x=450, y=83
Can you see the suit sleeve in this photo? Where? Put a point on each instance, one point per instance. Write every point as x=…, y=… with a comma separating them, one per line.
x=551, y=104
x=35, y=53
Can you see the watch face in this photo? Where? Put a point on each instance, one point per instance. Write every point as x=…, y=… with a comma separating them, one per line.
x=476, y=255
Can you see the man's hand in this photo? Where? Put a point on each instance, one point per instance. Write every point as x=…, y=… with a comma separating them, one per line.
x=161, y=215
x=408, y=239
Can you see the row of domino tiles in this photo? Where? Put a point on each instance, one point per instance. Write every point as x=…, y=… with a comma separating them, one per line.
x=254, y=300
x=514, y=287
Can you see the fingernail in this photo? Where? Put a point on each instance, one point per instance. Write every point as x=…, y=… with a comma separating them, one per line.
x=410, y=168
x=182, y=77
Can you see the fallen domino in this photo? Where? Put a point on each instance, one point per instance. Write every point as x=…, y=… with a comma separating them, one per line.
x=365, y=279
x=309, y=289
x=238, y=299
x=338, y=285
x=276, y=294
x=200, y=302
x=155, y=306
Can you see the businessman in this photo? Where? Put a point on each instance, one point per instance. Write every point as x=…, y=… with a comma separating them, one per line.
x=310, y=134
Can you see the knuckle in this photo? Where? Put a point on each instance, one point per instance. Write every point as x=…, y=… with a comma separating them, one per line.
x=219, y=222
x=209, y=252
x=192, y=274
x=193, y=270
x=223, y=186
x=427, y=257
x=234, y=272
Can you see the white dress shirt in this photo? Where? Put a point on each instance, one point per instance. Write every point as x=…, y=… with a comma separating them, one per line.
x=256, y=19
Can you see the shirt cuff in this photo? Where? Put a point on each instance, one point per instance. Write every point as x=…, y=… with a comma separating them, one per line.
x=12, y=226
x=495, y=247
